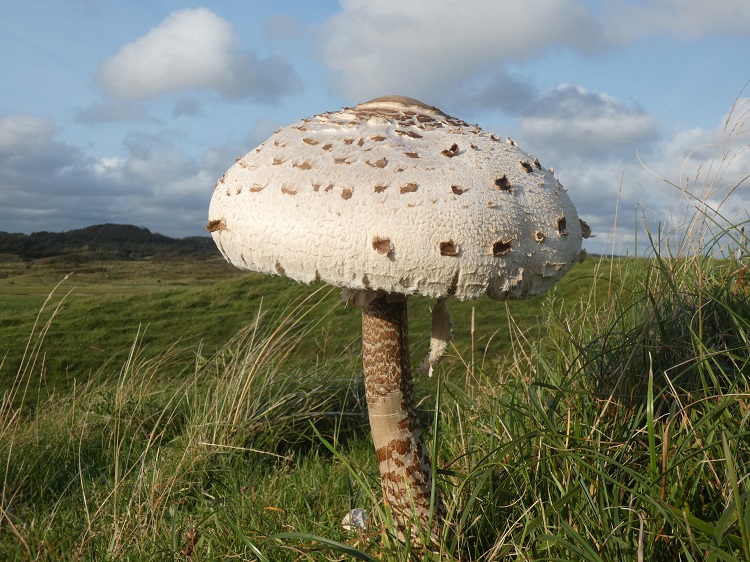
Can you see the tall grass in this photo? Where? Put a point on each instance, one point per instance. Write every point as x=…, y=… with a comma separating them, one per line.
x=622, y=434
x=108, y=471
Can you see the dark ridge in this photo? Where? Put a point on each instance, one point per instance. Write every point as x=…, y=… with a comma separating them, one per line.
x=104, y=241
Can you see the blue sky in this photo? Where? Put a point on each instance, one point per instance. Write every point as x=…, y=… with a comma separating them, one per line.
x=128, y=112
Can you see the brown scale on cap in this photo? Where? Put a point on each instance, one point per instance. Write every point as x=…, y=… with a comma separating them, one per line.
x=450, y=152
x=425, y=118
x=502, y=183
x=585, y=229
x=411, y=134
x=379, y=163
x=215, y=225
x=383, y=246
x=501, y=247
x=448, y=248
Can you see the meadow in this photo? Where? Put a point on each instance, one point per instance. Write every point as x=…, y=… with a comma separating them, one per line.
x=182, y=410
x=89, y=314
x=176, y=409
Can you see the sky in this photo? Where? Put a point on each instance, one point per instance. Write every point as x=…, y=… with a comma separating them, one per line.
x=128, y=112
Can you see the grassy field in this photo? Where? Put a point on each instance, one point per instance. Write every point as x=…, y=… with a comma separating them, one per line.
x=90, y=314
x=180, y=410
x=186, y=411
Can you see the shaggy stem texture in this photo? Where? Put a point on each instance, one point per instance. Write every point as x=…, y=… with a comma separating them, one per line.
x=405, y=468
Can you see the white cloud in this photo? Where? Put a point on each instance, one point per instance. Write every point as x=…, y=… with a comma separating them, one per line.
x=626, y=21
x=597, y=132
x=29, y=154
x=23, y=132
x=576, y=119
x=419, y=47
x=498, y=89
x=665, y=185
x=194, y=49
x=48, y=184
x=107, y=165
x=438, y=50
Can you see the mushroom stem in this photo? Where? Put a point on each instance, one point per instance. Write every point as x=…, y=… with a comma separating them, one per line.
x=405, y=468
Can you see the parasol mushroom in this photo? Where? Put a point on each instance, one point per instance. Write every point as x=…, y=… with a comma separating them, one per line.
x=388, y=199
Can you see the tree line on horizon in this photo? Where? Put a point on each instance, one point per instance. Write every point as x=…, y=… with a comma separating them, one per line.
x=104, y=241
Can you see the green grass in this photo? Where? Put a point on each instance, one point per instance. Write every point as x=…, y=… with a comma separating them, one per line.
x=101, y=307
x=621, y=434
x=183, y=411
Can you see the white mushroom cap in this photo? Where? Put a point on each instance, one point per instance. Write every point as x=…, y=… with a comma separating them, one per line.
x=395, y=196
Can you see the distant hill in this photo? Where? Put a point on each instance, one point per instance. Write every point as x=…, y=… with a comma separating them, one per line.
x=104, y=241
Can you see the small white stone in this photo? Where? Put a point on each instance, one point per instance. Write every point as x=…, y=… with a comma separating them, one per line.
x=355, y=521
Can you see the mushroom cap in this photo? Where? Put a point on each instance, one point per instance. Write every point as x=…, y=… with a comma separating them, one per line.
x=395, y=196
